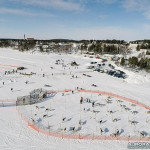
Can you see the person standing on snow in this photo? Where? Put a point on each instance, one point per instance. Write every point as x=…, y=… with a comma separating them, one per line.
x=93, y=104
x=81, y=101
x=12, y=89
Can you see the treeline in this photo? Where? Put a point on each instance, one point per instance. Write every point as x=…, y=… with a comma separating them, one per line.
x=102, y=48
x=7, y=42
x=143, y=63
x=143, y=46
x=140, y=41
x=26, y=45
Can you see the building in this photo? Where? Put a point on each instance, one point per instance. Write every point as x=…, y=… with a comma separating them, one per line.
x=30, y=39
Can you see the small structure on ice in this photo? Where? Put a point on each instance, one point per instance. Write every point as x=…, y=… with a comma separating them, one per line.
x=35, y=96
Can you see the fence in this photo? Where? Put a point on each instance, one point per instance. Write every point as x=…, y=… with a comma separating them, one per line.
x=86, y=137
x=8, y=67
x=7, y=102
x=117, y=96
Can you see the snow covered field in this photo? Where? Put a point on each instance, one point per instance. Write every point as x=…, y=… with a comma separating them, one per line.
x=15, y=134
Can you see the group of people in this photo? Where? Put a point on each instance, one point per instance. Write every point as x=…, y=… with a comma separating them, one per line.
x=88, y=100
x=10, y=72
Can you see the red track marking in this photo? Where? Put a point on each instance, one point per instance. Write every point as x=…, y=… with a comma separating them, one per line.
x=9, y=66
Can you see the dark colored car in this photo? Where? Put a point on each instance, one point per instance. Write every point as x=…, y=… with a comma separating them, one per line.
x=111, y=72
x=119, y=75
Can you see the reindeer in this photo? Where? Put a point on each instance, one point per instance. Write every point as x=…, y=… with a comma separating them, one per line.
x=94, y=111
x=94, y=85
x=37, y=107
x=121, y=106
x=47, y=109
x=101, y=130
x=133, y=105
x=148, y=112
x=115, y=120
x=73, y=129
x=63, y=119
x=100, y=105
x=80, y=122
x=132, y=122
x=33, y=120
x=110, y=111
x=141, y=134
x=125, y=108
x=44, y=116
x=115, y=134
x=119, y=101
x=107, y=101
x=134, y=112
x=100, y=121
x=65, y=129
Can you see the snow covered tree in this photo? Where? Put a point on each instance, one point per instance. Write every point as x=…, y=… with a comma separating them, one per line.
x=122, y=63
x=138, y=48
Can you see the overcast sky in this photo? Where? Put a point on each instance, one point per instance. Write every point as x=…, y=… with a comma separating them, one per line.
x=75, y=19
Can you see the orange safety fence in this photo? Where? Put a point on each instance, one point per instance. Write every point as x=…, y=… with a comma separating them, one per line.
x=8, y=100
x=7, y=103
x=78, y=136
x=9, y=66
x=117, y=96
x=6, y=68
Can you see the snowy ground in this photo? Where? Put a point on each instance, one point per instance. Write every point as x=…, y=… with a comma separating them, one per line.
x=85, y=118
x=14, y=133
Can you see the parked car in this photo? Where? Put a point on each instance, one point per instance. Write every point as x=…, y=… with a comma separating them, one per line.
x=112, y=67
x=111, y=72
x=121, y=72
x=119, y=75
x=99, y=64
x=93, y=62
x=101, y=71
x=104, y=60
x=90, y=67
x=98, y=58
x=98, y=70
x=105, y=70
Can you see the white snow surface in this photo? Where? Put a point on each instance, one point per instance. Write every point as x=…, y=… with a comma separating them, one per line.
x=15, y=133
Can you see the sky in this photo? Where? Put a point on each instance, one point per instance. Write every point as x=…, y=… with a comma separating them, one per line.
x=75, y=19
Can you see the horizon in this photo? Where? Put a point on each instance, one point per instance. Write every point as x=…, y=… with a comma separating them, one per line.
x=73, y=39
x=127, y=20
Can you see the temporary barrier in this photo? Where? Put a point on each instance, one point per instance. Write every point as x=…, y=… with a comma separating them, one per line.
x=9, y=66
x=79, y=136
x=7, y=100
x=117, y=96
x=8, y=103
x=6, y=68
x=3, y=104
